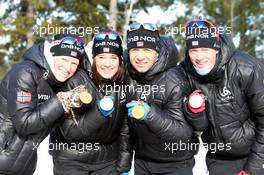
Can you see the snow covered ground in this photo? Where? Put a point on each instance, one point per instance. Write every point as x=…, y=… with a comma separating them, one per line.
x=45, y=164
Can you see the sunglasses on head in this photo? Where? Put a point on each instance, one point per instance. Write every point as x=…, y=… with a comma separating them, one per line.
x=102, y=35
x=202, y=24
x=199, y=24
x=147, y=26
x=71, y=41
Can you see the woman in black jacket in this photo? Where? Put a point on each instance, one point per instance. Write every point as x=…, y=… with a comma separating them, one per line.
x=99, y=142
x=29, y=105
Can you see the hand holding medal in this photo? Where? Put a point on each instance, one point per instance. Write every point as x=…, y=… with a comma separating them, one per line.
x=74, y=99
x=196, y=101
x=138, y=109
x=106, y=105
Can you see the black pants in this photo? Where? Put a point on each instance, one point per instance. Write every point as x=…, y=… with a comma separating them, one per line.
x=64, y=166
x=221, y=167
x=172, y=168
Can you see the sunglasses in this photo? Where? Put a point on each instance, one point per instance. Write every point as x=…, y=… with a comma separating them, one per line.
x=102, y=35
x=147, y=26
x=199, y=24
x=72, y=41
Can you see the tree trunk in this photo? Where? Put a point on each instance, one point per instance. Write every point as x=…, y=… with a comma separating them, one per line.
x=128, y=16
x=232, y=17
x=113, y=15
x=30, y=33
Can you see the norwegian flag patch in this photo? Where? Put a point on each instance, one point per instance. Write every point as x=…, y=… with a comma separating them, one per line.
x=140, y=44
x=73, y=53
x=106, y=49
x=23, y=97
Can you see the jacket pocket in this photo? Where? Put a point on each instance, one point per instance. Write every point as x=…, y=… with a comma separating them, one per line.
x=249, y=130
x=236, y=131
x=6, y=133
x=232, y=132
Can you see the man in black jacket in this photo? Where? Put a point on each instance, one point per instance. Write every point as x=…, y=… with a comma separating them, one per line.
x=230, y=107
x=155, y=96
x=29, y=105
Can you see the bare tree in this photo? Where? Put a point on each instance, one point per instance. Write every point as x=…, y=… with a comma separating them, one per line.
x=27, y=11
x=127, y=18
x=29, y=34
x=113, y=15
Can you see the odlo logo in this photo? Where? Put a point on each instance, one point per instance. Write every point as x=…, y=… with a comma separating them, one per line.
x=226, y=94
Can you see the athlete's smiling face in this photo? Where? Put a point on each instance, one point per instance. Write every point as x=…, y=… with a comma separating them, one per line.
x=64, y=67
x=203, y=58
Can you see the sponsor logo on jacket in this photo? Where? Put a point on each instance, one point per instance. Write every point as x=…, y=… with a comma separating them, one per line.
x=43, y=97
x=226, y=94
x=46, y=74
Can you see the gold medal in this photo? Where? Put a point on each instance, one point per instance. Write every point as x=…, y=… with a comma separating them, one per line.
x=138, y=111
x=86, y=97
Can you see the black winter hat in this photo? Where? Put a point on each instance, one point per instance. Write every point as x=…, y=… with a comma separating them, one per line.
x=199, y=37
x=143, y=38
x=107, y=42
x=67, y=45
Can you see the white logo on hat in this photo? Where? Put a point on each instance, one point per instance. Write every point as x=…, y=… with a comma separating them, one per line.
x=73, y=53
x=140, y=44
x=195, y=43
x=141, y=38
x=107, y=43
x=202, y=35
x=106, y=49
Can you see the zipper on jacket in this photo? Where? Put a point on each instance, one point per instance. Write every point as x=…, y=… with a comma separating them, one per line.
x=213, y=116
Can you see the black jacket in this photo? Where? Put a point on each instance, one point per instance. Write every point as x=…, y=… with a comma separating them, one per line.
x=234, y=105
x=155, y=138
x=108, y=137
x=23, y=125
